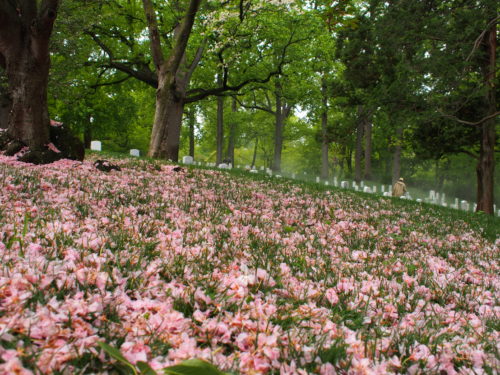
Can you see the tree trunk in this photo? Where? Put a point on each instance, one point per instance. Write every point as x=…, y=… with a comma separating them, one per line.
x=29, y=116
x=348, y=159
x=232, y=133
x=485, y=169
x=165, y=136
x=278, y=131
x=220, y=124
x=359, y=144
x=255, y=152
x=368, y=149
x=396, y=161
x=324, y=132
x=191, y=122
x=172, y=83
x=5, y=105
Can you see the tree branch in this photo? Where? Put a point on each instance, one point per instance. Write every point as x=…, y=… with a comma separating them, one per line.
x=255, y=106
x=471, y=154
x=477, y=123
x=154, y=34
x=145, y=75
x=111, y=83
x=182, y=37
x=480, y=38
x=199, y=94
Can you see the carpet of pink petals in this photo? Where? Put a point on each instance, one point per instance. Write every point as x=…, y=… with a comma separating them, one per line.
x=257, y=277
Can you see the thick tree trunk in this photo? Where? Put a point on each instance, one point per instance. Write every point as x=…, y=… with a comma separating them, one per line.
x=368, y=149
x=165, y=136
x=5, y=105
x=324, y=132
x=485, y=169
x=232, y=133
x=359, y=144
x=29, y=116
x=396, y=160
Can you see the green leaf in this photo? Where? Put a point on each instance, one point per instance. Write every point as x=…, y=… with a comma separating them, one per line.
x=116, y=354
x=193, y=367
x=145, y=368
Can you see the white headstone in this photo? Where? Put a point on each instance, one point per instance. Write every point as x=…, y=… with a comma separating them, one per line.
x=387, y=194
x=432, y=195
x=382, y=188
x=223, y=166
x=317, y=179
x=344, y=184
x=362, y=184
x=187, y=159
x=95, y=146
x=135, y=152
x=326, y=183
x=374, y=188
x=356, y=188
x=254, y=171
x=293, y=176
x=262, y=168
x=419, y=200
x=475, y=207
x=335, y=181
x=367, y=189
x=464, y=205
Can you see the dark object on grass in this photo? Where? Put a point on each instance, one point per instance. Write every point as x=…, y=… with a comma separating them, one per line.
x=177, y=169
x=106, y=166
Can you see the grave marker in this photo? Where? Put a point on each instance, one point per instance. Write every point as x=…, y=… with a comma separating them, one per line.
x=95, y=146
x=187, y=159
x=135, y=152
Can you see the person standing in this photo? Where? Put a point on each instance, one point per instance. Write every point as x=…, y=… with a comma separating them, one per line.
x=399, y=188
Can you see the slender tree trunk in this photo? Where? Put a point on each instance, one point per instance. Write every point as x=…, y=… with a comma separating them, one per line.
x=191, y=122
x=348, y=159
x=87, y=133
x=278, y=130
x=324, y=132
x=396, y=161
x=232, y=133
x=220, y=125
x=486, y=166
x=359, y=144
x=255, y=152
x=368, y=149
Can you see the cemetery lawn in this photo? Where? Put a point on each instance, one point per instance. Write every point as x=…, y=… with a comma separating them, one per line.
x=253, y=274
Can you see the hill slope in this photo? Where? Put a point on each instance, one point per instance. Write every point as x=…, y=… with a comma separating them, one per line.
x=252, y=275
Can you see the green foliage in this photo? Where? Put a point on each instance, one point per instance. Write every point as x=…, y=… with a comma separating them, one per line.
x=188, y=367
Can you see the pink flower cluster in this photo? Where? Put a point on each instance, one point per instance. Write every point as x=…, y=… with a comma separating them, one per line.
x=255, y=277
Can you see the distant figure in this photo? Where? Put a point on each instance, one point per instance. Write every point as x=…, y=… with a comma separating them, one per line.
x=399, y=188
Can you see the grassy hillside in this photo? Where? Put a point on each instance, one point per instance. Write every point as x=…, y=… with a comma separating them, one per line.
x=253, y=274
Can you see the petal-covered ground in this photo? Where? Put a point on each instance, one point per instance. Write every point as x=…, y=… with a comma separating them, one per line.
x=257, y=277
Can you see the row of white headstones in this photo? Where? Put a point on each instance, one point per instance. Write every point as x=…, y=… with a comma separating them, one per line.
x=434, y=197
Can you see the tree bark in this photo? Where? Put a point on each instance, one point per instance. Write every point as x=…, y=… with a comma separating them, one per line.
x=359, y=143
x=24, y=51
x=396, y=161
x=324, y=132
x=172, y=83
x=368, y=149
x=255, y=152
x=485, y=169
x=5, y=105
x=220, y=124
x=232, y=133
x=87, y=133
x=278, y=130
x=191, y=122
